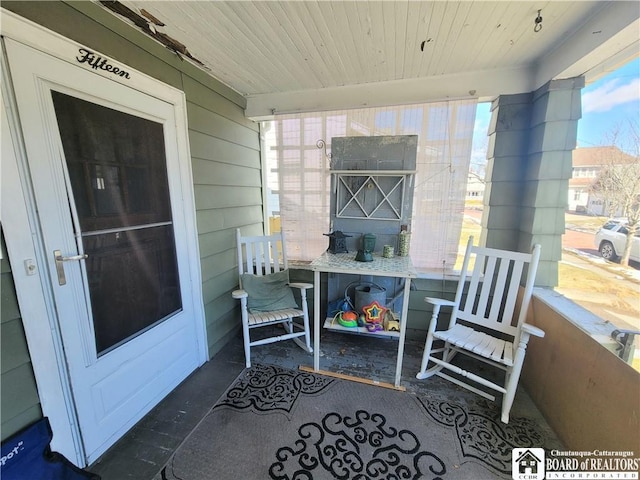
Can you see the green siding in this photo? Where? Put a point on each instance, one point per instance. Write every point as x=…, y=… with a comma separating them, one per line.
x=19, y=402
x=219, y=174
x=217, y=126
x=211, y=198
x=225, y=146
x=210, y=148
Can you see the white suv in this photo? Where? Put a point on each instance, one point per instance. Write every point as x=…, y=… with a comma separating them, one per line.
x=610, y=240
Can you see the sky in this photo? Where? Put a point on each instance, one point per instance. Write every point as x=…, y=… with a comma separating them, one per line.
x=608, y=104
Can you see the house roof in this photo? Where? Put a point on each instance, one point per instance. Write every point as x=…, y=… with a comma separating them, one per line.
x=581, y=182
x=292, y=56
x=599, y=156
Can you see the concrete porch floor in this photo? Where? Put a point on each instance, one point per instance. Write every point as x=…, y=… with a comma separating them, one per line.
x=143, y=451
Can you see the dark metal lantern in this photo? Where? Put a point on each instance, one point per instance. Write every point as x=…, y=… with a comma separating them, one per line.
x=337, y=242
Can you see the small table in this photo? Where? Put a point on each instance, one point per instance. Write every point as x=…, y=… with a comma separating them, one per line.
x=397, y=267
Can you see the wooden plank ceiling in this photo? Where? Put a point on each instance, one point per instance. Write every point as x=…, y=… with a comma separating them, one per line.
x=267, y=48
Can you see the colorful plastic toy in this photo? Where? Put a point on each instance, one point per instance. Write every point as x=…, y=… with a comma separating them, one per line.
x=391, y=322
x=347, y=319
x=374, y=312
x=374, y=327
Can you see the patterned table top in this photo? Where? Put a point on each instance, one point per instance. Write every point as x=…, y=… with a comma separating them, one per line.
x=380, y=266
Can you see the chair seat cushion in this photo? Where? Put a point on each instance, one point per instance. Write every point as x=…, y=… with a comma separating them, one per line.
x=268, y=292
x=479, y=343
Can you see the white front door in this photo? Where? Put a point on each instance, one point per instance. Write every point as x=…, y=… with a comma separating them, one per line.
x=104, y=161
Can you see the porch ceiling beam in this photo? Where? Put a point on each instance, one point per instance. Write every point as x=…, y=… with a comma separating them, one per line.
x=483, y=84
x=604, y=42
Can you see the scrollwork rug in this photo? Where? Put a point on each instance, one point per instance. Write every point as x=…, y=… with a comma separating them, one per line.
x=280, y=424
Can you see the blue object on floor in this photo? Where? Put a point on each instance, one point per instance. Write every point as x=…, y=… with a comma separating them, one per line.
x=28, y=456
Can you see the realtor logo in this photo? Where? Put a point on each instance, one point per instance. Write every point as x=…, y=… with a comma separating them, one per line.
x=527, y=463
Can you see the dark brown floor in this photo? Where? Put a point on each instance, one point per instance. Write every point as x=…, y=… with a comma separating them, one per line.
x=142, y=452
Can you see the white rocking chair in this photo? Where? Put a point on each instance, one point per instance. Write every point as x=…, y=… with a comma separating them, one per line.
x=485, y=324
x=259, y=260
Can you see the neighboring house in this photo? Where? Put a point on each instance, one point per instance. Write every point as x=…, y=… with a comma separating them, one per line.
x=100, y=121
x=587, y=163
x=475, y=188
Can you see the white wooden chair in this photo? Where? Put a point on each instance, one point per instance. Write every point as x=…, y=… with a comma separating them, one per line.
x=262, y=258
x=487, y=322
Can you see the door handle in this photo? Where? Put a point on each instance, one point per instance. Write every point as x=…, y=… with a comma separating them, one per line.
x=60, y=259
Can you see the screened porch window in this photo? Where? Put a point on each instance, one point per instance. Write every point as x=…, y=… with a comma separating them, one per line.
x=298, y=178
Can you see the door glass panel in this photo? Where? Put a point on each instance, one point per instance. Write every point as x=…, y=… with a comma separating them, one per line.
x=132, y=279
x=117, y=169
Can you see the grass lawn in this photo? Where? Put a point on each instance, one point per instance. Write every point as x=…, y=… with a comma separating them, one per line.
x=585, y=222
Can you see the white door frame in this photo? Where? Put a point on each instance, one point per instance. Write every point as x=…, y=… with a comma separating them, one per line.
x=24, y=240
